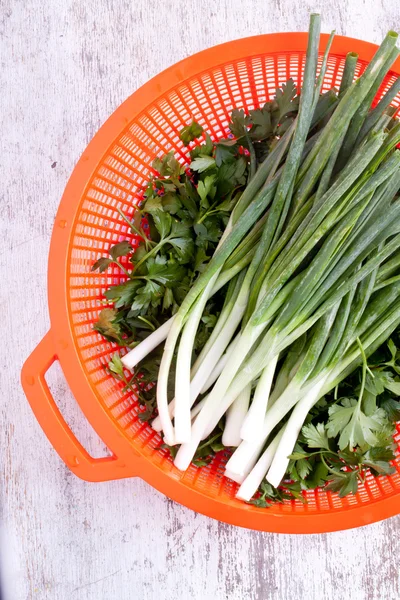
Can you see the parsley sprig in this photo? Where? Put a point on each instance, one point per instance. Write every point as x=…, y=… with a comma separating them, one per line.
x=348, y=436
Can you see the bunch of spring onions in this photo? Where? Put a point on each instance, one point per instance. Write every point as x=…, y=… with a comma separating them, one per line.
x=311, y=253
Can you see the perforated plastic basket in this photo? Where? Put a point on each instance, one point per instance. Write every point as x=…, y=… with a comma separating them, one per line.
x=206, y=86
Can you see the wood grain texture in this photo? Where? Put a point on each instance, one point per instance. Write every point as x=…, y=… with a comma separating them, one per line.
x=65, y=66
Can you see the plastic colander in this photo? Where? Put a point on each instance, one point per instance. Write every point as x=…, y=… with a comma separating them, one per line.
x=109, y=175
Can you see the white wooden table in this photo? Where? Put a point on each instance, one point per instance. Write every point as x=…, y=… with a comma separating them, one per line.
x=65, y=66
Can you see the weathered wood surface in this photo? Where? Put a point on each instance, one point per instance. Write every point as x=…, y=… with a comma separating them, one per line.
x=65, y=66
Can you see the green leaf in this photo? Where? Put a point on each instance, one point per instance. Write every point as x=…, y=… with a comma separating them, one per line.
x=385, y=436
x=164, y=272
x=259, y=502
x=283, y=125
x=355, y=427
x=231, y=175
x=391, y=408
x=319, y=409
x=168, y=299
x=340, y=415
x=144, y=324
x=157, y=164
x=381, y=454
x=373, y=384
x=153, y=205
x=106, y=325
x=369, y=402
x=121, y=249
x=318, y=475
x=139, y=253
x=162, y=221
x=392, y=348
x=225, y=151
x=380, y=467
x=217, y=446
x=149, y=294
x=190, y=132
x=238, y=125
x=394, y=387
x=303, y=468
x=240, y=171
x=350, y=457
x=200, y=260
x=146, y=415
x=122, y=295
x=168, y=166
x=181, y=290
x=189, y=198
x=346, y=483
x=262, y=124
x=102, y=264
x=267, y=493
x=207, y=231
x=206, y=189
x=171, y=449
x=181, y=239
x=209, y=321
x=202, y=163
x=292, y=471
x=365, y=427
x=115, y=365
x=267, y=489
x=201, y=462
x=316, y=436
x=285, y=98
x=167, y=185
x=382, y=380
x=298, y=455
x=205, y=149
x=229, y=203
x=171, y=203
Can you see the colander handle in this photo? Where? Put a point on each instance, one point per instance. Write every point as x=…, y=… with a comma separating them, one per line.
x=54, y=425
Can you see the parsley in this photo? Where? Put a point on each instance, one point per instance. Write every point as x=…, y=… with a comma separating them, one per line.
x=347, y=437
x=343, y=483
x=107, y=325
x=316, y=436
x=239, y=122
x=355, y=427
x=190, y=133
x=202, y=163
x=263, y=124
x=186, y=210
x=286, y=99
x=121, y=249
x=267, y=494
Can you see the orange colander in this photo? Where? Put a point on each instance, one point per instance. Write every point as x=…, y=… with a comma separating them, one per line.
x=109, y=175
